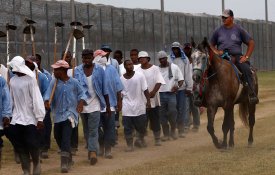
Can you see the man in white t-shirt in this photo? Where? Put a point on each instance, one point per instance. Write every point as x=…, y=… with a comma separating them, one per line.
x=154, y=80
x=168, y=111
x=133, y=104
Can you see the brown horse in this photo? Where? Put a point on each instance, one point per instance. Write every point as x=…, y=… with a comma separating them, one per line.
x=222, y=88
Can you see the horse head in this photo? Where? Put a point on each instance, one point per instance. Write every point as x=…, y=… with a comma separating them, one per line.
x=200, y=59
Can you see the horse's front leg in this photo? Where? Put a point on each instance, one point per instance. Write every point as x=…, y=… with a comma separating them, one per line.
x=211, y=112
x=231, y=123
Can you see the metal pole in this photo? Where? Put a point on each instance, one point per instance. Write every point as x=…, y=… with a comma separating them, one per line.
x=267, y=32
x=162, y=23
x=222, y=5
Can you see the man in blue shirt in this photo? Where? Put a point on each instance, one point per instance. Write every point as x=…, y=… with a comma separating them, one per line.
x=92, y=79
x=5, y=110
x=230, y=37
x=114, y=88
x=67, y=102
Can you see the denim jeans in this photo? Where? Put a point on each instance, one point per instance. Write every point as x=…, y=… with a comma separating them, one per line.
x=107, y=129
x=168, y=110
x=130, y=123
x=63, y=134
x=90, y=128
x=45, y=142
x=195, y=112
x=183, y=110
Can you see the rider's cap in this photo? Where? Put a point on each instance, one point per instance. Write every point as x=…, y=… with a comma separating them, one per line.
x=227, y=12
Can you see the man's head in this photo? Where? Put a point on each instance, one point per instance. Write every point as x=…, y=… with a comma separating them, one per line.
x=176, y=49
x=187, y=48
x=162, y=57
x=118, y=56
x=87, y=57
x=60, y=69
x=227, y=17
x=128, y=65
x=134, y=56
x=143, y=57
x=106, y=48
x=29, y=61
x=68, y=57
x=38, y=59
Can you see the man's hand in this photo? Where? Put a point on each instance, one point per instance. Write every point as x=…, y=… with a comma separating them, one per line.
x=243, y=59
x=40, y=125
x=119, y=106
x=174, y=89
x=80, y=105
x=188, y=92
x=47, y=105
x=108, y=111
x=6, y=122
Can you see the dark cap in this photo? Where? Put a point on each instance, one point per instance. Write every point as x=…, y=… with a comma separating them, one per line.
x=106, y=48
x=227, y=12
x=87, y=52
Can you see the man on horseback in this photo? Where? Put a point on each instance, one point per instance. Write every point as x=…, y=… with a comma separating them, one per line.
x=230, y=37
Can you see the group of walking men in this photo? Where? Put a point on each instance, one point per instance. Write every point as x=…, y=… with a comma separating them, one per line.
x=97, y=90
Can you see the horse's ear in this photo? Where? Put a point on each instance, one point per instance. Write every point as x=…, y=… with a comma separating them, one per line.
x=193, y=44
x=205, y=43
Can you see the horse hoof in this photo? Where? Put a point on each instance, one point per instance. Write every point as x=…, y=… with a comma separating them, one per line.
x=250, y=144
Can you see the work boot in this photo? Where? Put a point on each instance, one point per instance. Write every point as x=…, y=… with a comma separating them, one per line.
x=130, y=146
x=65, y=156
x=157, y=138
x=44, y=154
x=25, y=163
x=165, y=130
x=36, y=161
x=101, y=150
x=16, y=157
x=92, y=157
x=173, y=134
x=108, y=153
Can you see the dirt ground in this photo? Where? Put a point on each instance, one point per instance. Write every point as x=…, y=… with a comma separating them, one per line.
x=124, y=159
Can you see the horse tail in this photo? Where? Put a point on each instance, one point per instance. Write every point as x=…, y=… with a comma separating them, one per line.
x=244, y=112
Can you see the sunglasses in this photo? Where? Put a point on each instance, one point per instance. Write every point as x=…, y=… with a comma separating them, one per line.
x=223, y=17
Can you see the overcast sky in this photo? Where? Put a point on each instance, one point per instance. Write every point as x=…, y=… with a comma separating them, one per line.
x=251, y=9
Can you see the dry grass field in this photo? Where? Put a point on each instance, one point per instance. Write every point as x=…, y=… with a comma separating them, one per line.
x=193, y=155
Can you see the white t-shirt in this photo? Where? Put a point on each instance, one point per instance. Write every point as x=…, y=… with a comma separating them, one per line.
x=173, y=81
x=133, y=98
x=152, y=76
x=93, y=102
x=28, y=105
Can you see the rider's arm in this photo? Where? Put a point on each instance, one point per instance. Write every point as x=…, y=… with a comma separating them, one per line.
x=250, y=48
x=215, y=50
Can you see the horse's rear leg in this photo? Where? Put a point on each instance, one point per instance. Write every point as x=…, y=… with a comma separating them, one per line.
x=211, y=111
x=251, y=119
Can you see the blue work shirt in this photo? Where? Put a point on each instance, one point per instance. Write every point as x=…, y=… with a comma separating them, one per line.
x=114, y=84
x=48, y=75
x=5, y=101
x=66, y=97
x=43, y=82
x=98, y=80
